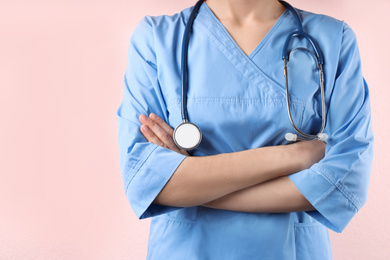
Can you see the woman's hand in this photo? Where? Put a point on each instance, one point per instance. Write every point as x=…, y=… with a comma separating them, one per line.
x=158, y=132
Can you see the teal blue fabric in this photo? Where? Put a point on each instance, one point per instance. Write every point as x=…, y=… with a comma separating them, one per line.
x=238, y=102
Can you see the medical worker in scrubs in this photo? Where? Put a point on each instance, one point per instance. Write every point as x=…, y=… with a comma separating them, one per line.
x=244, y=192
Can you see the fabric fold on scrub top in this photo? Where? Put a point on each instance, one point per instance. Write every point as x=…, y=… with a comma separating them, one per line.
x=239, y=103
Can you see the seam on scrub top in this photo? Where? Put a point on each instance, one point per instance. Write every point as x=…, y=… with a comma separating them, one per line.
x=308, y=224
x=338, y=185
x=168, y=219
x=139, y=164
x=234, y=43
x=247, y=59
x=341, y=188
x=224, y=31
x=326, y=194
x=225, y=52
x=154, y=65
x=330, y=78
x=255, y=69
x=218, y=100
x=274, y=28
x=355, y=201
x=302, y=115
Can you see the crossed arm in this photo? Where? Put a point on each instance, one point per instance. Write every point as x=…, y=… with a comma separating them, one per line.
x=262, y=184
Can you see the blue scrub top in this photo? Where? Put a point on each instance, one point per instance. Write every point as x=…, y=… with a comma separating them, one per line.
x=238, y=102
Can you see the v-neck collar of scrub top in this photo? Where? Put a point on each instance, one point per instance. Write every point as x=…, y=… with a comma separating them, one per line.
x=244, y=63
x=220, y=29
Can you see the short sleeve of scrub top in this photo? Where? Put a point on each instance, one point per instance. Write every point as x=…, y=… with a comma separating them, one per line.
x=145, y=167
x=341, y=178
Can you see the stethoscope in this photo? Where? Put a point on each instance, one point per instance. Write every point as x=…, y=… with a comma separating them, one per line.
x=188, y=136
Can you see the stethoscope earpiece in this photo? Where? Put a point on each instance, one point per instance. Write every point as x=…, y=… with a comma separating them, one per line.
x=322, y=137
x=294, y=137
x=290, y=137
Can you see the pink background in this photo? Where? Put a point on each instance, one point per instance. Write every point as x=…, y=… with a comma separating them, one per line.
x=61, y=80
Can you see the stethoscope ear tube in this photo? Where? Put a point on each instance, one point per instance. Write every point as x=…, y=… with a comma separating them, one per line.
x=320, y=62
x=184, y=60
x=187, y=135
x=294, y=137
x=313, y=43
x=303, y=136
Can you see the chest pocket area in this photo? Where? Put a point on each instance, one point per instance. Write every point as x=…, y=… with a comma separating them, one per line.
x=236, y=124
x=304, y=84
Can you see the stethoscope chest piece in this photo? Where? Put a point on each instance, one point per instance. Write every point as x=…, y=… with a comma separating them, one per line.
x=187, y=136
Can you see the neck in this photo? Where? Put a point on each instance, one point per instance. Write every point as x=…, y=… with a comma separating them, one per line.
x=246, y=10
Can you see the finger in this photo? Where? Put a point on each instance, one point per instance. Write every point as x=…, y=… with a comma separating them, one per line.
x=170, y=145
x=166, y=127
x=150, y=136
x=161, y=123
x=184, y=152
x=160, y=133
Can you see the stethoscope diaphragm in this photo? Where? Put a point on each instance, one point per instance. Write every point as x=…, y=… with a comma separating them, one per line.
x=187, y=136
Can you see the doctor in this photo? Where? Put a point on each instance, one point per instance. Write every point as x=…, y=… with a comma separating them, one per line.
x=243, y=193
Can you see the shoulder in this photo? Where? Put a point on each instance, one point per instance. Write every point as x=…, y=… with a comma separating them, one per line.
x=336, y=39
x=330, y=31
x=159, y=32
x=161, y=24
x=320, y=22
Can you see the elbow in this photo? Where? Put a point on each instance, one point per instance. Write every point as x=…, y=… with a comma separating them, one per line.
x=180, y=190
x=174, y=198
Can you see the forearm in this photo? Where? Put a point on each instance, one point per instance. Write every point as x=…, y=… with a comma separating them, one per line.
x=199, y=180
x=274, y=196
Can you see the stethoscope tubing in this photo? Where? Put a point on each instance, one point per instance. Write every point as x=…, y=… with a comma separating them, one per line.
x=184, y=61
x=285, y=56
